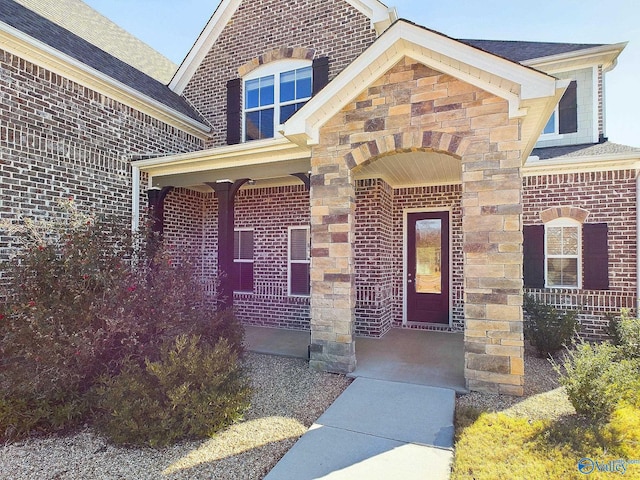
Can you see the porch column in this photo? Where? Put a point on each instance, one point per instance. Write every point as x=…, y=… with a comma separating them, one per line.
x=156, y=198
x=492, y=237
x=333, y=295
x=226, y=193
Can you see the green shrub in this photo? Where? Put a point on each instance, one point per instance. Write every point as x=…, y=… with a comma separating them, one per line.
x=597, y=379
x=193, y=390
x=625, y=333
x=547, y=328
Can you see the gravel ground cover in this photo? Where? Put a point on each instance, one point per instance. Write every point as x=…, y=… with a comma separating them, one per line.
x=543, y=396
x=287, y=399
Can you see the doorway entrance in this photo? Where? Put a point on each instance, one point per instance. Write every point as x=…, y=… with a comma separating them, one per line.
x=427, y=271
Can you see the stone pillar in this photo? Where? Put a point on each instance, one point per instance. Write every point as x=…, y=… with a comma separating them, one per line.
x=333, y=294
x=492, y=236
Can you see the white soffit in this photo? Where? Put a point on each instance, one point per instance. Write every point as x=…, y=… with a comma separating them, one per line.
x=499, y=76
x=380, y=15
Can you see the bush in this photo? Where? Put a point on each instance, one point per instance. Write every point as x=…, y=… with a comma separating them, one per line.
x=625, y=333
x=597, y=379
x=547, y=328
x=193, y=390
x=79, y=308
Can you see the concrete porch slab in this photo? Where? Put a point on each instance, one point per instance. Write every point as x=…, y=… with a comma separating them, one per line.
x=402, y=355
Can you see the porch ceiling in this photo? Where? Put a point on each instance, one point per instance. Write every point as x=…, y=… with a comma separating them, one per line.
x=412, y=169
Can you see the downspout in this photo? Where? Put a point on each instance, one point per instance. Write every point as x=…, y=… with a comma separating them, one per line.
x=135, y=198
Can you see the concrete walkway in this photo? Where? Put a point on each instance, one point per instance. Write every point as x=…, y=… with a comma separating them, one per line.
x=376, y=429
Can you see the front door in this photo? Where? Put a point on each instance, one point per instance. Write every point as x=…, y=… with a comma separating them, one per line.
x=427, y=281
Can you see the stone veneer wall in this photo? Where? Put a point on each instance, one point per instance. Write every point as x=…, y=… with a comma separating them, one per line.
x=607, y=197
x=413, y=107
x=330, y=28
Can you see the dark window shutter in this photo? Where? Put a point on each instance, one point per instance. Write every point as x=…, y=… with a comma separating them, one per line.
x=533, y=249
x=595, y=252
x=568, y=110
x=234, y=111
x=320, y=73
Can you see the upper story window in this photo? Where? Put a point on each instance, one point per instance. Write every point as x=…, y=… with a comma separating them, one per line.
x=564, y=118
x=563, y=247
x=272, y=94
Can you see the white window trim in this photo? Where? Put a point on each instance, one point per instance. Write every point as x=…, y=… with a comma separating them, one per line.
x=275, y=69
x=244, y=260
x=563, y=222
x=290, y=262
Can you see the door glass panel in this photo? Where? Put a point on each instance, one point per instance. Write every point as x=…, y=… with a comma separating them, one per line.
x=428, y=256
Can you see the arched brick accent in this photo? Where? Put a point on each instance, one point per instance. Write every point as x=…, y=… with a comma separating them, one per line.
x=577, y=213
x=429, y=141
x=282, y=53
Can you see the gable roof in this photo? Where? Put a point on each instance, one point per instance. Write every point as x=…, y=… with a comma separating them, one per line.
x=79, y=18
x=37, y=37
x=381, y=18
x=530, y=93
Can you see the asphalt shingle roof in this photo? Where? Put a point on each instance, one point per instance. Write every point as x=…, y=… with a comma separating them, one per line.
x=80, y=49
x=584, y=150
x=79, y=18
x=520, y=51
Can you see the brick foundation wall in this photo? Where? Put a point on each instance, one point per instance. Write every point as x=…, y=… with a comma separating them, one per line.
x=59, y=139
x=331, y=28
x=608, y=197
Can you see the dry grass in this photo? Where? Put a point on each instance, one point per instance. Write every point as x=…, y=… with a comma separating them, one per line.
x=538, y=435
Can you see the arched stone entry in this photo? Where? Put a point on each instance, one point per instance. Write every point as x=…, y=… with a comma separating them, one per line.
x=416, y=108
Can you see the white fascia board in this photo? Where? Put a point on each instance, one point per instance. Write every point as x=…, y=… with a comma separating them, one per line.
x=203, y=44
x=375, y=10
x=506, y=79
x=605, y=55
x=256, y=152
x=37, y=52
x=593, y=163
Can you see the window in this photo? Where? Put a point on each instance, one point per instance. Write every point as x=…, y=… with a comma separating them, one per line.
x=562, y=253
x=299, y=261
x=270, y=100
x=593, y=246
x=564, y=118
x=243, y=260
x=551, y=128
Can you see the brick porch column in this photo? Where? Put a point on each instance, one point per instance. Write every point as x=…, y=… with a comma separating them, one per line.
x=333, y=296
x=492, y=236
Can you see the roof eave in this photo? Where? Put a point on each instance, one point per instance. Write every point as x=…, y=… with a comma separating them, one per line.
x=590, y=163
x=35, y=51
x=381, y=17
x=605, y=55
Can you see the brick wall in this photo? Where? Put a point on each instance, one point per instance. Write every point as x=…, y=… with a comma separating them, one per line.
x=374, y=258
x=609, y=197
x=331, y=28
x=270, y=212
x=59, y=139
